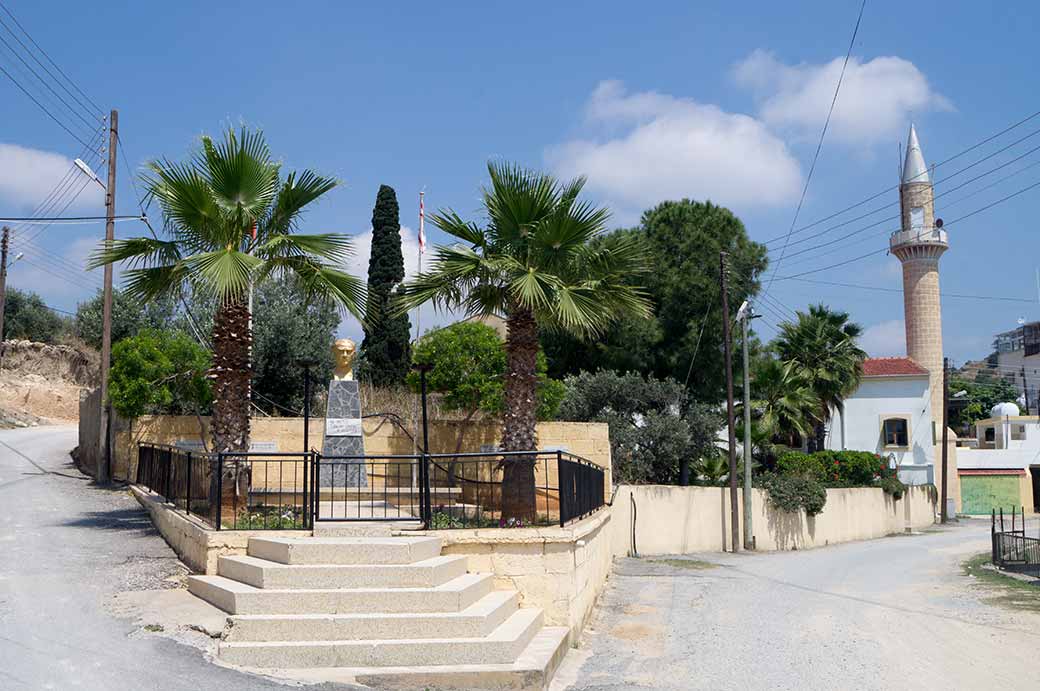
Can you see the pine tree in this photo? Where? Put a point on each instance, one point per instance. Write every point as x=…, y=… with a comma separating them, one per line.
x=385, y=350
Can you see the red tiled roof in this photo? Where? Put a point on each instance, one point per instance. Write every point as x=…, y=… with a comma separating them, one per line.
x=891, y=367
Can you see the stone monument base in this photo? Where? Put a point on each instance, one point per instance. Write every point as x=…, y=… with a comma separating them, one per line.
x=343, y=437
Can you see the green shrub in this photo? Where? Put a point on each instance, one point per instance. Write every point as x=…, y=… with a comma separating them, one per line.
x=792, y=493
x=798, y=463
x=837, y=468
x=892, y=485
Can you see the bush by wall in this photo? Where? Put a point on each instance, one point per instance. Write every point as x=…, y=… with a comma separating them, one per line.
x=795, y=492
x=842, y=469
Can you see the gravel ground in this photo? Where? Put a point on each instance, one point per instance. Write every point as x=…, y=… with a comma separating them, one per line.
x=894, y=613
x=69, y=551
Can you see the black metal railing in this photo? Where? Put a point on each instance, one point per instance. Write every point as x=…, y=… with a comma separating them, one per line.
x=238, y=491
x=278, y=491
x=1012, y=549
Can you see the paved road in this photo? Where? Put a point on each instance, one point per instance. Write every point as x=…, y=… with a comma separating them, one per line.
x=894, y=613
x=66, y=548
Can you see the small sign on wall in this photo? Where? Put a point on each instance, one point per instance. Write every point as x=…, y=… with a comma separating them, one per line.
x=343, y=427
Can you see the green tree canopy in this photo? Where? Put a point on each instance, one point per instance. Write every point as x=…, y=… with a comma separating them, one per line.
x=27, y=317
x=978, y=398
x=129, y=316
x=384, y=352
x=468, y=362
x=683, y=239
x=286, y=329
x=157, y=372
x=655, y=431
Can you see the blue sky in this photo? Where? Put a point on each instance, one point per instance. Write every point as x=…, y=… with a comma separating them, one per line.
x=714, y=100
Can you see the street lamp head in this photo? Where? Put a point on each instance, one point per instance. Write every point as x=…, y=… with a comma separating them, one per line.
x=88, y=171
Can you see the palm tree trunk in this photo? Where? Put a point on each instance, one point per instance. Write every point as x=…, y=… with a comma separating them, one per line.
x=230, y=374
x=519, y=415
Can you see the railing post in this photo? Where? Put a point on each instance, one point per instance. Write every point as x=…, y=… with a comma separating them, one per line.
x=169, y=472
x=220, y=486
x=306, y=495
x=187, y=500
x=559, y=483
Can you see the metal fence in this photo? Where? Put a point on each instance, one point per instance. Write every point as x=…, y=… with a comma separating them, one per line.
x=1012, y=549
x=278, y=491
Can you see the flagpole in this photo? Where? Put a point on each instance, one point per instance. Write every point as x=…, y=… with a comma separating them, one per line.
x=418, y=319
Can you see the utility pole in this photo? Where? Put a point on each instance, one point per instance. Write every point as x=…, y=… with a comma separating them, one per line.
x=734, y=508
x=1025, y=387
x=4, y=242
x=945, y=434
x=744, y=314
x=105, y=457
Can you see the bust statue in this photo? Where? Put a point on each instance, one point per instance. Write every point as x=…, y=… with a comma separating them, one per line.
x=343, y=352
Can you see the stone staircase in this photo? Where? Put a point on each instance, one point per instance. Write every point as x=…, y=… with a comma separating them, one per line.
x=387, y=611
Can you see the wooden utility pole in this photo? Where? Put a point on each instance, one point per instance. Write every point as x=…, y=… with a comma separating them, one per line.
x=5, y=240
x=945, y=437
x=105, y=457
x=749, y=538
x=734, y=507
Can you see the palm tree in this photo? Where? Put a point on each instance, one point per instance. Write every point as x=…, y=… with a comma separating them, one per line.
x=786, y=406
x=534, y=264
x=229, y=222
x=820, y=349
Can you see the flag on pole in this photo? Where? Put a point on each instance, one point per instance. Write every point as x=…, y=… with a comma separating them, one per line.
x=422, y=224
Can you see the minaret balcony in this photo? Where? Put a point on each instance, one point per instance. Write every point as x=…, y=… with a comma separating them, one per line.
x=932, y=237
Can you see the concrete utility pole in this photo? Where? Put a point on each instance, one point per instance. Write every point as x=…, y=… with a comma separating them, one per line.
x=946, y=403
x=734, y=507
x=744, y=314
x=4, y=241
x=105, y=457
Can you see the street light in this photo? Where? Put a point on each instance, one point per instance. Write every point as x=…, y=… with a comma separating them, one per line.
x=89, y=172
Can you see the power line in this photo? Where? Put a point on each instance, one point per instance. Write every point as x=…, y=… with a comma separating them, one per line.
x=871, y=198
x=68, y=220
x=899, y=290
x=48, y=57
x=819, y=145
x=938, y=196
x=46, y=84
x=42, y=107
x=950, y=223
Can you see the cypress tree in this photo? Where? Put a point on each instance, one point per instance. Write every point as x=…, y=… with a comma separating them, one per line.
x=385, y=350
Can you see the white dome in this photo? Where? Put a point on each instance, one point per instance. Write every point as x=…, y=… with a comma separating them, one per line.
x=1004, y=410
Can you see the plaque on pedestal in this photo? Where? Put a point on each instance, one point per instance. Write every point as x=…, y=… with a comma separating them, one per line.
x=343, y=437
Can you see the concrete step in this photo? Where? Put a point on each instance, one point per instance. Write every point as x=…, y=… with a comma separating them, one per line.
x=236, y=597
x=262, y=573
x=344, y=550
x=479, y=619
x=531, y=671
x=501, y=646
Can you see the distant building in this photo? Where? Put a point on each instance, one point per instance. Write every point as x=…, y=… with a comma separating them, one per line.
x=1002, y=469
x=1018, y=362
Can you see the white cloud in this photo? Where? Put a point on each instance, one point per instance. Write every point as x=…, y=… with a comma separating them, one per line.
x=27, y=177
x=641, y=148
x=886, y=339
x=876, y=100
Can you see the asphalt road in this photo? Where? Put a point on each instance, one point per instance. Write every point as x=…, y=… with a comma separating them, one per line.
x=894, y=613
x=66, y=548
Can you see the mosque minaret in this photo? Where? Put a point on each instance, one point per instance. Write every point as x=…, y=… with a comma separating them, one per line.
x=919, y=244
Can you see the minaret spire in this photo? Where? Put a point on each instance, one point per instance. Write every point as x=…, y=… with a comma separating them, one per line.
x=914, y=167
